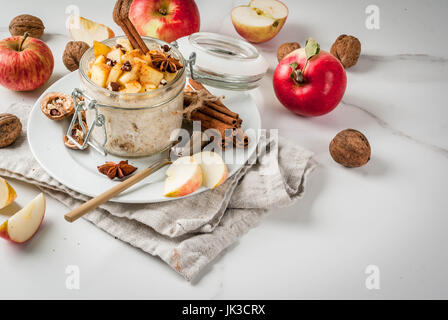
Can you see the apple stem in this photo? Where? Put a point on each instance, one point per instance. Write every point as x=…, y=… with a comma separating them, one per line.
x=163, y=11
x=25, y=36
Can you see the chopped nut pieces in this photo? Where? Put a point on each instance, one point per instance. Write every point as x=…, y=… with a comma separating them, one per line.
x=347, y=49
x=127, y=66
x=77, y=134
x=114, y=86
x=10, y=129
x=111, y=63
x=57, y=106
x=120, y=170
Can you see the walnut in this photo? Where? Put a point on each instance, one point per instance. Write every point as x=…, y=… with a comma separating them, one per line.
x=347, y=49
x=26, y=23
x=350, y=148
x=73, y=53
x=57, y=106
x=10, y=129
x=77, y=134
x=286, y=49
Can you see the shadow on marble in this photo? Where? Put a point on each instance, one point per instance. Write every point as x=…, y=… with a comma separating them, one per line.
x=10, y=210
x=35, y=243
x=375, y=167
x=300, y=213
x=364, y=65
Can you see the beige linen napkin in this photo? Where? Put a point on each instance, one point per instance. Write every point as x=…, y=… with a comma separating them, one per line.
x=185, y=233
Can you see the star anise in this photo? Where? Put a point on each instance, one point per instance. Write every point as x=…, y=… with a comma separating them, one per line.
x=165, y=62
x=120, y=170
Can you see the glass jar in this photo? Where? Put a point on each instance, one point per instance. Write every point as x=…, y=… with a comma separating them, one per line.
x=223, y=62
x=134, y=124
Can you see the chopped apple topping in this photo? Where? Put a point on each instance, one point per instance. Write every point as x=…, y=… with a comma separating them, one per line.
x=125, y=69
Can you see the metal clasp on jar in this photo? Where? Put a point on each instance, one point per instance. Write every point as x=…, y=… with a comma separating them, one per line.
x=99, y=121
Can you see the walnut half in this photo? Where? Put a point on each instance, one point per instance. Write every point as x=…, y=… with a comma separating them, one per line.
x=57, y=106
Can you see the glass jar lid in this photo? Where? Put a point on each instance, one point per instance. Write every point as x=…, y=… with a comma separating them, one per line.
x=222, y=61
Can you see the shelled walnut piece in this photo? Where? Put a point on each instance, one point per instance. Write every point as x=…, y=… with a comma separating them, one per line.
x=57, y=106
x=114, y=170
x=10, y=129
x=77, y=134
x=125, y=69
x=27, y=23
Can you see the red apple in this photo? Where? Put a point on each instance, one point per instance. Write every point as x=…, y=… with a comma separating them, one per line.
x=25, y=63
x=309, y=81
x=167, y=20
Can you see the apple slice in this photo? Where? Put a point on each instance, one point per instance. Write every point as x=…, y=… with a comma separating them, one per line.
x=100, y=49
x=184, y=177
x=7, y=194
x=260, y=21
x=23, y=225
x=82, y=29
x=214, y=169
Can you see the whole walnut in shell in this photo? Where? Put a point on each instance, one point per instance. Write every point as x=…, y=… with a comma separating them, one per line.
x=286, y=49
x=74, y=50
x=27, y=23
x=347, y=49
x=10, y=129
x=350, y=148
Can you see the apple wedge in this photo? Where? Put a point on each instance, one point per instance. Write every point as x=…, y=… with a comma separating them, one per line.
x=23, y=225
x=82, y=29
x=260, y=21
x=7, y=193
x=214, y=169
x=184, y=177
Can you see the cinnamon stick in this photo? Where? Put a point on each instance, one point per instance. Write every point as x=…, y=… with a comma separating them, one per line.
x=218, y=105
x=121, y=17
x=218, y=115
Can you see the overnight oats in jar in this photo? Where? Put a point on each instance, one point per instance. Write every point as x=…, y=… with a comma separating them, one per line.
x=139, y=95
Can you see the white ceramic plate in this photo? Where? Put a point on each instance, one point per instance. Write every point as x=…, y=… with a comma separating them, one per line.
x=78, y=169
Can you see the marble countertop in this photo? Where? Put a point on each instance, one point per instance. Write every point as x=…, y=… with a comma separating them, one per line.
x=388, y=217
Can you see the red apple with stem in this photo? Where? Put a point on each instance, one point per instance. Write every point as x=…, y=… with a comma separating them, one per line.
x=167, y=20
x=309, y=81
x=25, y=63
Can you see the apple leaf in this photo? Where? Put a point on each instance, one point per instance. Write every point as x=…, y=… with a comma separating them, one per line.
x=312, y=48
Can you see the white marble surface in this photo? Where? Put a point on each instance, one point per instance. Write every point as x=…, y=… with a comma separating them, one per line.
x=391, y=213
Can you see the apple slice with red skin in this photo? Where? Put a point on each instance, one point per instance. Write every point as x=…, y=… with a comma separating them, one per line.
x=309, y=81
x=214, y=169
x=7, y=194
x=23, y=225
x=184, y=177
